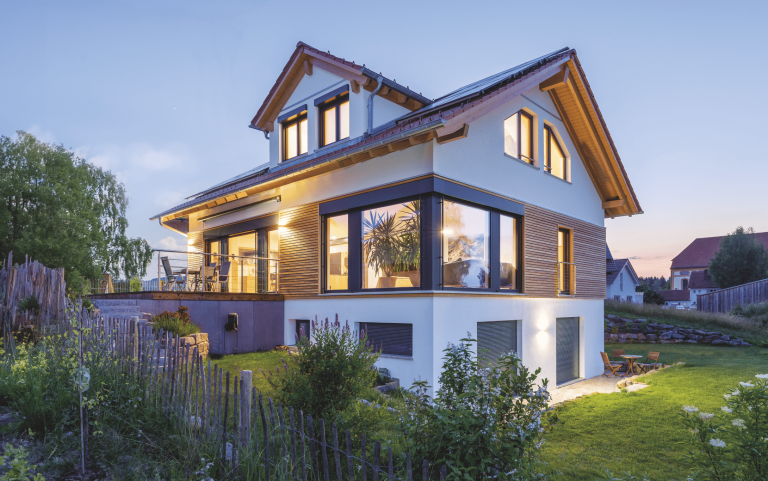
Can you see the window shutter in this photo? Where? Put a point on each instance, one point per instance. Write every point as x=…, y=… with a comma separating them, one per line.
x=567, y=349
x=397, y=339
x=495, y=339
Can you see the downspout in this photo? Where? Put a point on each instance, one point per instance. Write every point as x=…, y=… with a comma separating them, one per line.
x=380, y=82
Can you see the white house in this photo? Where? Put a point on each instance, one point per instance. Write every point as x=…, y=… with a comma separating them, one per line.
x=423, y=219
x=621, y=280
x=700, y=283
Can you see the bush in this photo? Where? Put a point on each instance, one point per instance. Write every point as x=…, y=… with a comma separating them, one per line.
x=485, y=422
x=732, y=445
x=328, y=374
x=755, y=312
x=653, y=297
x=178, y=322
x=135, y=284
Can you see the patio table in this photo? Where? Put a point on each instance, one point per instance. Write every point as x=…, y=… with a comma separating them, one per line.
x=631, y=358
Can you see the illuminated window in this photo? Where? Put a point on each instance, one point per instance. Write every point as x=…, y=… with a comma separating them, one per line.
x=295, y=136
x=509, y=239
x=518, y=136
x=334, y=120
x=565, y=270
x=391, y=246
x=337, y=264
x=554, y=158
x=466, y=246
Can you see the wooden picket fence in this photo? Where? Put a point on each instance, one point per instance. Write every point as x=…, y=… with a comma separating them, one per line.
x=726, y=299
x=230, y=412
x=32, y=279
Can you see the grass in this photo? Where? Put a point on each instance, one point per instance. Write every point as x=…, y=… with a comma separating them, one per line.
x=640, y=432
x=753, y=332
x=253, y=361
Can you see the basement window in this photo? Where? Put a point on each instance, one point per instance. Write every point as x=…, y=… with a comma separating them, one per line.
x=518, y=136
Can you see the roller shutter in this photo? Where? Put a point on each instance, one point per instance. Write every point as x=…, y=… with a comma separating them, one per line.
x=397, y=339
x=495, y=339
x=567, y=349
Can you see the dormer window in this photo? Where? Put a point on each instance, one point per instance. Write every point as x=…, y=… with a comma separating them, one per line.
x=518, y=136
x=295, y=132
x=554, y=158
x=333, y=112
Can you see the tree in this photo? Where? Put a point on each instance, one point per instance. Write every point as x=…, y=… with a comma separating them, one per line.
x=741, y=259
x=64, y=212
x=653, y=297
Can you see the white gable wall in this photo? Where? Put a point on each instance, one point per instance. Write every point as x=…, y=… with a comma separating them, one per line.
x=630, y=283
x=480, y=160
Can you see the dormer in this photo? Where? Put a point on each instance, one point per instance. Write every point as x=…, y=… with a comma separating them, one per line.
x=321, y=103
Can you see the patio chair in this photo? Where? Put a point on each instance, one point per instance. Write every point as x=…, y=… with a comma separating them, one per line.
x=209, y=273
x=613, y=367
x=647, y=366
x=223, y=275
x=172, y=281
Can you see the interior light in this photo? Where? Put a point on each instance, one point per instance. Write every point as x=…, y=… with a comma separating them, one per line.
x=447, y=232
x=333, y=237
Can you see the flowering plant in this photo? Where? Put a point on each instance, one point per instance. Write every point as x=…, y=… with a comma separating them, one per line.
x=484, y=422
x=732, y=445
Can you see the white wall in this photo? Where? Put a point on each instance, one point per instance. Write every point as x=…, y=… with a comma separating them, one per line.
x=479, y=160
x=439, y=320
x=614, y=289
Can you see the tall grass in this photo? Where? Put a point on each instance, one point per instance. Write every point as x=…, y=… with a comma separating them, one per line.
x=750, y=330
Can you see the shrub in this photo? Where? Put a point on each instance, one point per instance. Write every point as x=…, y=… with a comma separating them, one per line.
x=328, y=374
x=732, y=444
x=485, y=422
x=653, y=297
x=755, y=312
x=135, y=284
x=178, y=322
x=30, y=304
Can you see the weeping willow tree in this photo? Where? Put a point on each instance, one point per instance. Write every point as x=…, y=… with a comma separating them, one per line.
x=64, y=212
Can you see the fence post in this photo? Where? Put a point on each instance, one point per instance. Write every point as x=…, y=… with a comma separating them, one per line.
x=247, y=380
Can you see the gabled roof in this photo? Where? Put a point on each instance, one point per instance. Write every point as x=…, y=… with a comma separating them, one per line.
x=610, y=265
x=702, y=250
x=701, y=280
x=620, y=264
x=676, y=296
x=560, y=70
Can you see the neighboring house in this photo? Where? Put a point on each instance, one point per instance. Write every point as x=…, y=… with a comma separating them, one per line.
x=700, y=283
x=621, y=280
x=696, y=257
x=421, y=220
x=681, y=297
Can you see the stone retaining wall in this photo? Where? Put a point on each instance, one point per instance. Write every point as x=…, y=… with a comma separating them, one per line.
x=630, y=330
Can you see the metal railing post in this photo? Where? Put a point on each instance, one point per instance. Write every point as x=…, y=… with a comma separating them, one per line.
x=159, y=286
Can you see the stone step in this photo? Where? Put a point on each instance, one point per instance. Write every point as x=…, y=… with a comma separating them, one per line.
x=101, y=303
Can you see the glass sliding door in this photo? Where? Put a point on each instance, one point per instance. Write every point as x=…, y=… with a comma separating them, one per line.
x=268, y=248
x=242, y=269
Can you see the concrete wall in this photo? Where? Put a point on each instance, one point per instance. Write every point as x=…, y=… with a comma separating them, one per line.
x=260, y=322
x=438, y=320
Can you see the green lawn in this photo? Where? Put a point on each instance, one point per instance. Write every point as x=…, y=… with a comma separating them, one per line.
x=254, y=361
x=640, y=431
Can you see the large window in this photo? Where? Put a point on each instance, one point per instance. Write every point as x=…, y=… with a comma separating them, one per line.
x=509, y=251
x=466, y=248
x=391, y=246
x=295, y=136
x=334, y=120
x=554, y=157
x=337, y=262
x=518, y=136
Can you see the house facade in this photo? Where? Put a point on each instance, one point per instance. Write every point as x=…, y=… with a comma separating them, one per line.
x=621, y=280
x=700, y=283
x=421, y=220
x=680, y=298
x=696, y=257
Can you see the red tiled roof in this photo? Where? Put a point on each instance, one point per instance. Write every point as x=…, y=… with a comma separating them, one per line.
x=676, y=296
x=701, y=280
x=702, y=250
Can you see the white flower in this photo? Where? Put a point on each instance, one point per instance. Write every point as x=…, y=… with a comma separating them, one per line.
x=761, y=376
x=739, y=423
x=746, y=384
x=727, y=409
x=727, y=396
x=736, y=392
x=690, y=409
x=718, y=443
x=706, y=416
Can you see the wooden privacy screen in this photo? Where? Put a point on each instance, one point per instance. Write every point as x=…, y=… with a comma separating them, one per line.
x=195, y=244
x=726, y=299
x=300, y=251
x=540, y=250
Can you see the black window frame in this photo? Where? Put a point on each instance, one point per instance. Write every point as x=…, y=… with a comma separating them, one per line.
x=549, y=135
x=520, y=156
x=287, y=123
x=328, y=104
x=431, y=192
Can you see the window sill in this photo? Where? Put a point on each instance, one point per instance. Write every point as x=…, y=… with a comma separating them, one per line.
x=336, y=145
x=558, y=178
x=395, y=356
x=294, y=159
x=521, y=161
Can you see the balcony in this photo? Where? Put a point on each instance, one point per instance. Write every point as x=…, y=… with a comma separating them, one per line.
x=565, y=282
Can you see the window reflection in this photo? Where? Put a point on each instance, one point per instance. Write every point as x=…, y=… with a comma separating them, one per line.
x=465, y=246
x=518, y=136
x=337, y=234
x=391, y=246
x=508, y=252
x=553, y=154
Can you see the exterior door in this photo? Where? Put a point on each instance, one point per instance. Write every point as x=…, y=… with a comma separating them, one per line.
x=567, y=349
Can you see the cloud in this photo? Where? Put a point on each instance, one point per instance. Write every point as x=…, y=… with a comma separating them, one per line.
x=41, y=134
x=634, y=258
x=171, y=243
x=138, y=158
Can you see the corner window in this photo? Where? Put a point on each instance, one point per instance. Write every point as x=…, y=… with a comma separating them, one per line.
x=337, y=263
x=295, y=136
x=391, y=246
x=554, y=157
x=466, y=249
x=518, y=136
x=509, y=251
x=334, y=120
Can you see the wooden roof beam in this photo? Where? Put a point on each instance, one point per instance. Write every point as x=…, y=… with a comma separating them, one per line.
x=557, y=80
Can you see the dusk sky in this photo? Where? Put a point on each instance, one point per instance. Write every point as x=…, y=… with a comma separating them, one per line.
x=161, y=93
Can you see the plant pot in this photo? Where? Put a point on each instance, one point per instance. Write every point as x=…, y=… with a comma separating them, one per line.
x=392, y=282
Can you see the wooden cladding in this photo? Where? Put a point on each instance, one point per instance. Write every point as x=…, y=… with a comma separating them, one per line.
x=195, y=244
x=540, y=228
x=300, y=251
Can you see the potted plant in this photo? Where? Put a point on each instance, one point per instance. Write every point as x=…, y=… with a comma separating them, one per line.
x=391, y=243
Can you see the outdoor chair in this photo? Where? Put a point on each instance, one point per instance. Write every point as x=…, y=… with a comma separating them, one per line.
x=223, y=276
x=616, y=354
x=172, y=281
x=647, y=366
x=209, y=274
x=613, y=367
